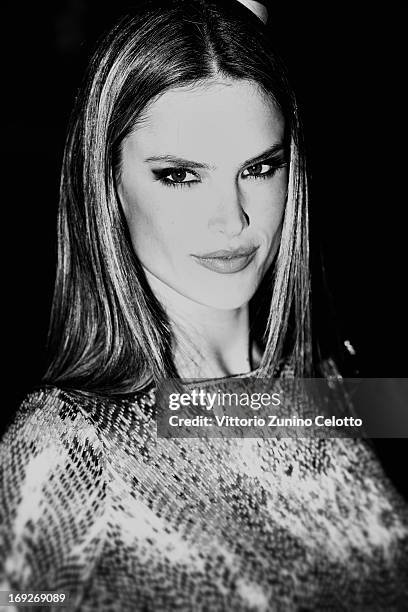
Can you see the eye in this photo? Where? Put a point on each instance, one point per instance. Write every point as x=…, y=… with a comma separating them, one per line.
x=177, y=177
x=261, y=170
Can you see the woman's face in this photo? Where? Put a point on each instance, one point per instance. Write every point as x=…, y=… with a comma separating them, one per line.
x=203, y=187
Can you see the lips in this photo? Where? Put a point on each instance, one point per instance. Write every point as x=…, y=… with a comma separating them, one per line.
x=227, y=261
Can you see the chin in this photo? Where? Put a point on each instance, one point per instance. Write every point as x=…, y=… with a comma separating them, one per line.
x=225, y=292
x=225, y=300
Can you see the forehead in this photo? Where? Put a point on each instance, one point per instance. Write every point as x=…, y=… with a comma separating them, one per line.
x=212, y=122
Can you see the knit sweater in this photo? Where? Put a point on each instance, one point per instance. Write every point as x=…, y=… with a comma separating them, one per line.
x=93, y=504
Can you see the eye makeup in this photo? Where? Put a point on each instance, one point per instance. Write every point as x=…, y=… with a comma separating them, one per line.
x=260, y=169
x=179, y=176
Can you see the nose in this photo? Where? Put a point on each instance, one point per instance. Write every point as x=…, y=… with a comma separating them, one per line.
x=229, y=216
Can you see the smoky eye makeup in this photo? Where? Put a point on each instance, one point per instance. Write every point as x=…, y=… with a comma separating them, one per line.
x=264, y=168
x=176, y=177
x=183, y=176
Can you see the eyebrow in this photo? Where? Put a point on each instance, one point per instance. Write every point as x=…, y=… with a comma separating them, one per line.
x=181, y=162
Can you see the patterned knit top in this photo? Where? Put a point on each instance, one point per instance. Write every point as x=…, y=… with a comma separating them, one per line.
x=93, y=504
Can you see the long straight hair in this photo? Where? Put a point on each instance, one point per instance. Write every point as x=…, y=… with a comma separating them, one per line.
x=108, y=332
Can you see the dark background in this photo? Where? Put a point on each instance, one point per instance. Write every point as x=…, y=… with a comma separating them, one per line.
x=346, y=67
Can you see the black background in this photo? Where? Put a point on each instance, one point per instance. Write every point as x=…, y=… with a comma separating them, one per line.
x=346, y=66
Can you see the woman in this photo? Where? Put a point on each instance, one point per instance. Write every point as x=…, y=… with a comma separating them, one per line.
x=183, y=253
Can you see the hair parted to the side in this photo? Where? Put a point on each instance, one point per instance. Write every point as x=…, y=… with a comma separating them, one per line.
x=108, y=333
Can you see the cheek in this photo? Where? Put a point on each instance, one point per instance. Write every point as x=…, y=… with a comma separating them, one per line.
x=269, y=207
x=157, y=226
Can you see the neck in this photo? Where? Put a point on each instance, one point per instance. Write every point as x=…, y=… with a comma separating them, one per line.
x=209, y=342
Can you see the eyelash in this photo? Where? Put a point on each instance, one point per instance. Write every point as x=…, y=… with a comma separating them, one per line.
x=163, y=174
